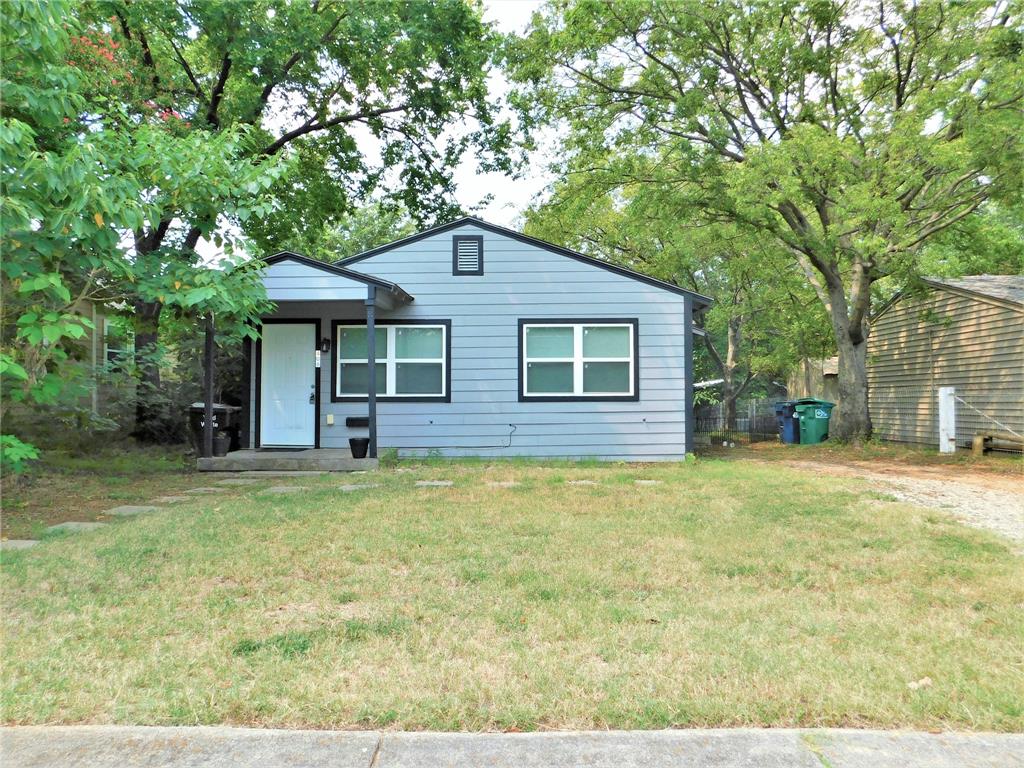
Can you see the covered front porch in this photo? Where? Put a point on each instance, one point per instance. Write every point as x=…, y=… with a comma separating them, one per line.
x=289, y=372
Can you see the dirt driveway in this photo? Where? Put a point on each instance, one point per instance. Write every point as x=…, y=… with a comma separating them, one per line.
x=982, y=499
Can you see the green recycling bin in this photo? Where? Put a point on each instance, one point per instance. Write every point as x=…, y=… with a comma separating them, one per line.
x=813, y=415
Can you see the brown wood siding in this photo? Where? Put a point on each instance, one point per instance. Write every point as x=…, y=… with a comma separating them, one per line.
x=945, y=339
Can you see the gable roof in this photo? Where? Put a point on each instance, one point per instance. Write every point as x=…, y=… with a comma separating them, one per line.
x=334, y=269
x=1004, y=287
x=698, y=299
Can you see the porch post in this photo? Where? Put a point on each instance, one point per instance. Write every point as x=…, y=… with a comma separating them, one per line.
x=371, y=374
x=208, y=389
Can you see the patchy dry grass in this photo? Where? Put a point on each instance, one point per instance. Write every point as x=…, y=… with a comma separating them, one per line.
x=729, y=594
x=66, y=486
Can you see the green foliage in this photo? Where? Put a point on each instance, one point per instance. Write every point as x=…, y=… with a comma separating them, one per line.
x=80, y=175
x=850, y=134
x=362, y=229
x=14, y=454
x=312, y=80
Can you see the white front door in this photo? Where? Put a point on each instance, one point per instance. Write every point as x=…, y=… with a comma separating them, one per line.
x=288, y=384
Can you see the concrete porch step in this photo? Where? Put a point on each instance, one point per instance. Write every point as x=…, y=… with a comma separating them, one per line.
x=311, y=459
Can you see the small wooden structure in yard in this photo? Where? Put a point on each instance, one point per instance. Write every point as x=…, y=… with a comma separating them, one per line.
x=965, y=333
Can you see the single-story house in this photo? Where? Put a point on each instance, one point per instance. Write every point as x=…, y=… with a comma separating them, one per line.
x=486, y=342
x=966, y=333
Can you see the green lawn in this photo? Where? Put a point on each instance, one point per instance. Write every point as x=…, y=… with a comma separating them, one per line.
x=733, y=593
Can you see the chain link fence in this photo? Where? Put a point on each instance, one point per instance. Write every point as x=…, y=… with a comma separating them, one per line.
x=911, y=414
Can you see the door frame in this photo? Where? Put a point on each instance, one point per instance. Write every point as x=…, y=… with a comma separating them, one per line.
x=315, y=322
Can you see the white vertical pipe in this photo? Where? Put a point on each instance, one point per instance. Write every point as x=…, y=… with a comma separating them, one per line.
x=947, y=419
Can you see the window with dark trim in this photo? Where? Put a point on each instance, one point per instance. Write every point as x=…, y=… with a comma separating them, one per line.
x=468, y=255
x=413, y=360
x=585, y=359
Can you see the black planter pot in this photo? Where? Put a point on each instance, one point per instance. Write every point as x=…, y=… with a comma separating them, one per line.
x=221, y=445
x=359, y=446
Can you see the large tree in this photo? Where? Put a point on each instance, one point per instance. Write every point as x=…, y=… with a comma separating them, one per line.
x=355, y=94
x=850, y=132
x=78, y=175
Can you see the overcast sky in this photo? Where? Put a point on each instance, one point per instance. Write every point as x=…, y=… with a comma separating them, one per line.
x=509, y=196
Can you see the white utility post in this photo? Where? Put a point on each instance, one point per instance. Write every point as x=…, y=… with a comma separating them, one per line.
x=947, y=419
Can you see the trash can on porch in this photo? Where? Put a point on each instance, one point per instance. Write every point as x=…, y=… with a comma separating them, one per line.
x=814, y=416
x=785, y=415
x=224, y=420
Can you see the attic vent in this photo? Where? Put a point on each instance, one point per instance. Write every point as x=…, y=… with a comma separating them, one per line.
x=468, y=255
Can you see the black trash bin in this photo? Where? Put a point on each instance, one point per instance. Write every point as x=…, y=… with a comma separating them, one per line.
x=225, y=418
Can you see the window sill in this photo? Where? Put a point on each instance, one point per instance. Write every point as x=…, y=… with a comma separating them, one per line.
x=392, y=398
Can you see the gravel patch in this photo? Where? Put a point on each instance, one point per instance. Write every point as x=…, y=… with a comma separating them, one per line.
x=434, y=483
x=992, y=504
x=998, y=511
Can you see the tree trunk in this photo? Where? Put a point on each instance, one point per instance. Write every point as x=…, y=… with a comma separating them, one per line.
x=150, y=424
x=729, y=390
x=851, y=419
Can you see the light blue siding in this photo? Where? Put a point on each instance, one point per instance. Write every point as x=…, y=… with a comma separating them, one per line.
x=520, y=280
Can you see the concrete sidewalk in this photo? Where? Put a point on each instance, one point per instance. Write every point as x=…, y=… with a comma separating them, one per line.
x=127, y=747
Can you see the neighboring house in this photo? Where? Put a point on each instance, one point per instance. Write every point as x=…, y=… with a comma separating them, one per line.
x=104, y=342
x=487, y=342
x=966, y=333
x=815, y=378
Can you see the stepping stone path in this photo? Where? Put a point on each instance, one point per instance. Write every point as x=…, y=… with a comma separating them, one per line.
x=582, y=482
x=129, y=509
x=357, y=487
x=647, y=482
x=285, y=473
x=170, y=499
x=285, y=489
x=197, y=491
x=18, y=543
x=72, y=527
x=237, y=481
x=434, y=483
x=502, y=483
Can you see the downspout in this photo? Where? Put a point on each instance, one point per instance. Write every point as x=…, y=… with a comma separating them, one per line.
x=371, y=373
x=688, y=375
x=208, y=390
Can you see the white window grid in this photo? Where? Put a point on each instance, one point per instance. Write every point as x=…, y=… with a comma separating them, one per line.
x=391, y=361
x=578, y=360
